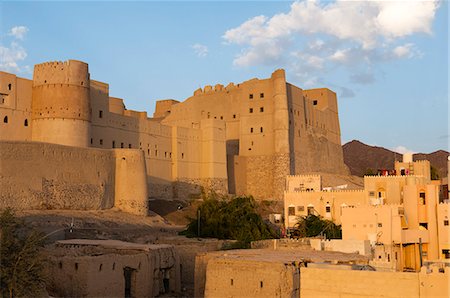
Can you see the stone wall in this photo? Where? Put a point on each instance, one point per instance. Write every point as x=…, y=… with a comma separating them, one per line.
x=49, y=176
x=353, y=283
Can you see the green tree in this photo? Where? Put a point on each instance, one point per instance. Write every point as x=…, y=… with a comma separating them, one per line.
x=21, y=266
x=312, y=226
x=229, y=219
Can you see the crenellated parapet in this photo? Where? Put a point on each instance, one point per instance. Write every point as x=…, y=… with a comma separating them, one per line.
x=69, y=72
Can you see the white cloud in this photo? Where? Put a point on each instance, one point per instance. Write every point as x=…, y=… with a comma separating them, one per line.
x=402, y=150
x=13, y=54
x=353, y=34
x=18, y=32
x=404, y=51
x=200, y=50
x=10, y=56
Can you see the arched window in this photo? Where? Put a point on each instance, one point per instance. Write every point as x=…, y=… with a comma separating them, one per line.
x=25, y=122
x=5, y=120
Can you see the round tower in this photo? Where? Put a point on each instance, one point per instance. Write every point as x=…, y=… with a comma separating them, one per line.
x=61, y=111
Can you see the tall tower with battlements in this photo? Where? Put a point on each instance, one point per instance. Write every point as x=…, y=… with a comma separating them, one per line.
x=61, y=109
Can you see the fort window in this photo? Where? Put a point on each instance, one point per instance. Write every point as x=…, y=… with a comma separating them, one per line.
x=250, y=96
x=148, y=152
x=422, y=200
x=327, y=209
x=170, y=154
x=251, y=129
x=261, y=95
x=380, y=225
x=221, y=117
x=91, y=141
x=234, y=116
x=156, y=153
x=114, y=144
x=209, y=115
x=261, y=284
x=261, y=129
x=261, y=109
x=182, y=155
x=423, y=224
x=100, y=114
x=121, y=145
x=100, y=267
x=300, y=208
x=291, y=211
x=5, y=120
x=76, y=266
x=101, y=141
x=114, y=266
x=371, y=193
x=129, y=146
x=9, y=87
x=250, y=110
x=165, y=154
x=315, y=102
x=446, y=222
x=25, y=123
x=311, y=210
x=60, y=265
x=232, y=282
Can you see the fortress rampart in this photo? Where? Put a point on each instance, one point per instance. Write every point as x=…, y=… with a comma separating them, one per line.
x=48, y=176
x=240, y=139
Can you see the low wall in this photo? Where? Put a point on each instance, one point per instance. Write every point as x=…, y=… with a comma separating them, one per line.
x=361, y=247
x=244, y=278
x=317, y=282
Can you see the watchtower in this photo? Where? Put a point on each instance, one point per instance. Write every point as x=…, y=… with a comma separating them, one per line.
x=61, y=111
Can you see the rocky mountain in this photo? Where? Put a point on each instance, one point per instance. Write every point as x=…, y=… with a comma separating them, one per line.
x=362, y=158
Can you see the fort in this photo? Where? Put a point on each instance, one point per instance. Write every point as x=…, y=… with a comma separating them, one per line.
x=238, y=139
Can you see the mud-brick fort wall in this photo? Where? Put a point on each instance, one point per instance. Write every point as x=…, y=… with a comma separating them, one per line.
x=37, y=175
x=15, y=108
x=61, y=104
x=273, y=129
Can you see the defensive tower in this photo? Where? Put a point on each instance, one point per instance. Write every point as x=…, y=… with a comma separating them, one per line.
x=61, y=112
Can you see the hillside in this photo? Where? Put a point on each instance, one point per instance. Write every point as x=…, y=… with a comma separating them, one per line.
x=360, y=157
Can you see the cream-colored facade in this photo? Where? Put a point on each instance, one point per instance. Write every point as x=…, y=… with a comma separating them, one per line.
x=238, y=139
x=401, y=215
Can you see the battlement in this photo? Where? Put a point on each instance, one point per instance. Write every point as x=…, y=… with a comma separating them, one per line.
x=71, y=72
x=303, y=176
x=324, y=192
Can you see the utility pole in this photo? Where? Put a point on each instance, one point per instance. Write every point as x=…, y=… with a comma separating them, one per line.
x=198, y=222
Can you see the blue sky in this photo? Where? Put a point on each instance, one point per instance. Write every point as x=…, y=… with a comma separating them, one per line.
x=387, y=61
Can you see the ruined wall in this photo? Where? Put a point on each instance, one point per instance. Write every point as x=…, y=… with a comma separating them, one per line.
x=336, y=283
x=102, y=275
x=49, y=176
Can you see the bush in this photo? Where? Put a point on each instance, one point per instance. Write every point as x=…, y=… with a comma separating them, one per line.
x=312, y=226
x=235, y=219
x=21, y=267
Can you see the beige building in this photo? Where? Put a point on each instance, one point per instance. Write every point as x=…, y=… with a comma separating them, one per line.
x=309, y=273
x=112, y=268
x=238, y=139
x=402, y=215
